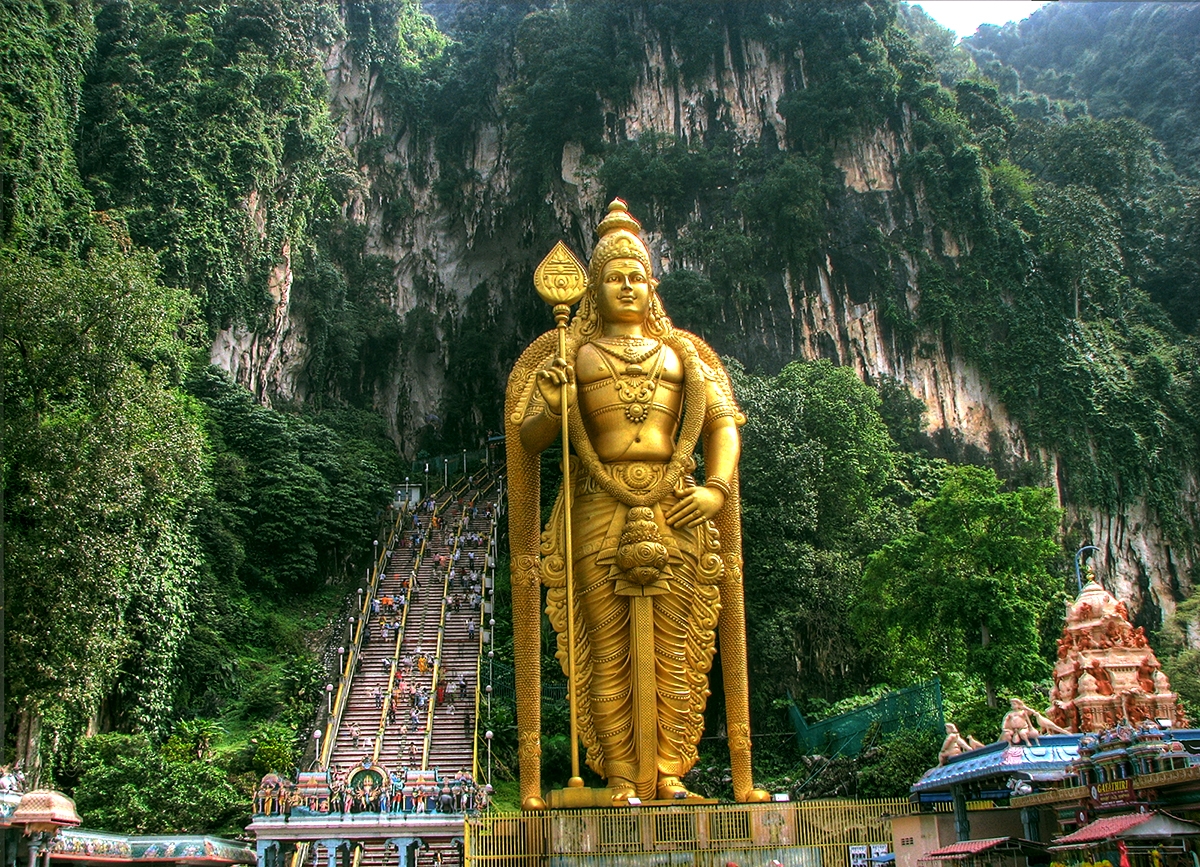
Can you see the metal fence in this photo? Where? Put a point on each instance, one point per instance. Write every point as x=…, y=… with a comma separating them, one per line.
x=805, y=834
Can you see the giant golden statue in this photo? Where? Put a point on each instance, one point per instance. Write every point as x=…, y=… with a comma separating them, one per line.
x=643, y=565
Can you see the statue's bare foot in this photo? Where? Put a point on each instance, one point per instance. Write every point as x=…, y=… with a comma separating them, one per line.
x=756, y=796
x=669, y=789
x=533, y=802
x=622, y=789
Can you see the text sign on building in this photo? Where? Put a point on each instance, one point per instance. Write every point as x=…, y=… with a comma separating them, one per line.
x=1113, y=793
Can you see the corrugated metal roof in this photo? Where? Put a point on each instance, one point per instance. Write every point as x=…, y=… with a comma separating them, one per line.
x=1129, y=826
x=964, y=849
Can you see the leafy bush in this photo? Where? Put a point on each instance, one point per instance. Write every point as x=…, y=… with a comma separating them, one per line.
x=129, y=786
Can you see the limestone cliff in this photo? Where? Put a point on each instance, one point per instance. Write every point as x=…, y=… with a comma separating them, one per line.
x=468, y=254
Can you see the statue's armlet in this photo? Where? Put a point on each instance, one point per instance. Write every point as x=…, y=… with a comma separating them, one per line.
x=534, y=403
x=719, y=398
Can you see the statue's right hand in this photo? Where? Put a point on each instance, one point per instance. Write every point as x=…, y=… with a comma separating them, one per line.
x=550, y=382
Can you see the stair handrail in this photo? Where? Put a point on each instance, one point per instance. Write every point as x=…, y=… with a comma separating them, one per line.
x=400, y=633
x=441, y=635
x=347, y=674
x=479, y=654
x=418, y=560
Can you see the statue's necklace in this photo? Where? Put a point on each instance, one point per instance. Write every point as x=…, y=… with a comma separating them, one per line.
x=635, y=387
x=631, y=350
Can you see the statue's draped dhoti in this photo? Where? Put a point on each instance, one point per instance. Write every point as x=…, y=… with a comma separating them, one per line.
x=644, y=646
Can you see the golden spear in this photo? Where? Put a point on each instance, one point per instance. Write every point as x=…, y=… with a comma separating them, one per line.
x=561, y=281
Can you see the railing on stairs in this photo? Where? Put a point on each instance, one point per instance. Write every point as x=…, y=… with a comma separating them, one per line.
x=441, y=633
x=362, y=623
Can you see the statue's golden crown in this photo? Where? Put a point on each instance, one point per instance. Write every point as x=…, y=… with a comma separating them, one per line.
x=620, y=238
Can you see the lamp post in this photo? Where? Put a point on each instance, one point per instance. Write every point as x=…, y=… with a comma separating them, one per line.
x=445, y=473
x=41, y=814
x=488, y=737
x=1078, y=560
x=317, y=746
x=464, y=461
x=329, y=697
x=341, y=660
x=375, y=558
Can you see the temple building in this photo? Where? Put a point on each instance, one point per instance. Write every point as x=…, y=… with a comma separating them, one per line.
x=1106, y=672
x=1122, y=785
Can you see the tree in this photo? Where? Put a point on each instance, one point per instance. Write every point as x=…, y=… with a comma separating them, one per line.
x=970, y=589
x=128, y=786
x=104, y=463
x=816, y=461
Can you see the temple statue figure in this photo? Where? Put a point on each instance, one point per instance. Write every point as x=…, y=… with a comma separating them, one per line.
x=1022, y=724
x=656, y=554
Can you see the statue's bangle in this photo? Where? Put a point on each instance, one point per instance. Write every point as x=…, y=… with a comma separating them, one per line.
x=718, y=483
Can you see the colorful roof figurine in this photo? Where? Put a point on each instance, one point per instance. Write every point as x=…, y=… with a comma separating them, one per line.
x=81, y=846
x=992, y=766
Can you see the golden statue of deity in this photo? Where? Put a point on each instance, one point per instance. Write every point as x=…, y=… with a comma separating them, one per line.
x=642, y=563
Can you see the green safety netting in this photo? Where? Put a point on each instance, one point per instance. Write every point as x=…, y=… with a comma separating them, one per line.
x=914, y=707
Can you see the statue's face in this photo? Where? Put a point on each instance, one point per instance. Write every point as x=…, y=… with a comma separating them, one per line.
x=624, y=291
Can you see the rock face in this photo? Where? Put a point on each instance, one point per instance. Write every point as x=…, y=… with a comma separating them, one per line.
x=468, y=255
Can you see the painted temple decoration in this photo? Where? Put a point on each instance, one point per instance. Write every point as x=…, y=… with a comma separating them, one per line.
x=1106, y=673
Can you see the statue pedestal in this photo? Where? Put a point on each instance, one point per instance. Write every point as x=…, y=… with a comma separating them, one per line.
x=580, y=798
x=584, y=798
x=689, y=831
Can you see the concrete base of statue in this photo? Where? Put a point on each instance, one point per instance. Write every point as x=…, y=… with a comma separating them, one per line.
x=586, y=798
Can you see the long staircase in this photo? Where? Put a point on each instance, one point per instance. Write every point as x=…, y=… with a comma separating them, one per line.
x=408, y=701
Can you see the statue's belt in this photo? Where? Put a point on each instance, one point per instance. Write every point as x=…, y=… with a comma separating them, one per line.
x=630, y=531
x=636, y=476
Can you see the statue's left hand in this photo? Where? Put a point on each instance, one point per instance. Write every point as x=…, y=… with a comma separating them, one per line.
x=696, y=506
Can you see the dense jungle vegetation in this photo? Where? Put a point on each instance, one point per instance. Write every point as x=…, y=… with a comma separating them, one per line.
x=172, y=542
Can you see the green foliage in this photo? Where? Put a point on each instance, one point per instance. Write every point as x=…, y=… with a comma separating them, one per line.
x=297, y=491
x=209, y=134
x=1180, y=657
x=816, y=467
x=850, y=85
x=275, y=749
x=970, y=588
x=1131, y=64
x=1134, y=60
x=568, y=58
x=44, y=46
x=104, y=473
x=952, y=61
x=890, y=769
x=128, y=786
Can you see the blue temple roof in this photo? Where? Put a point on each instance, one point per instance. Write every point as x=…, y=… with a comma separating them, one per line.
x=1043, y=763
